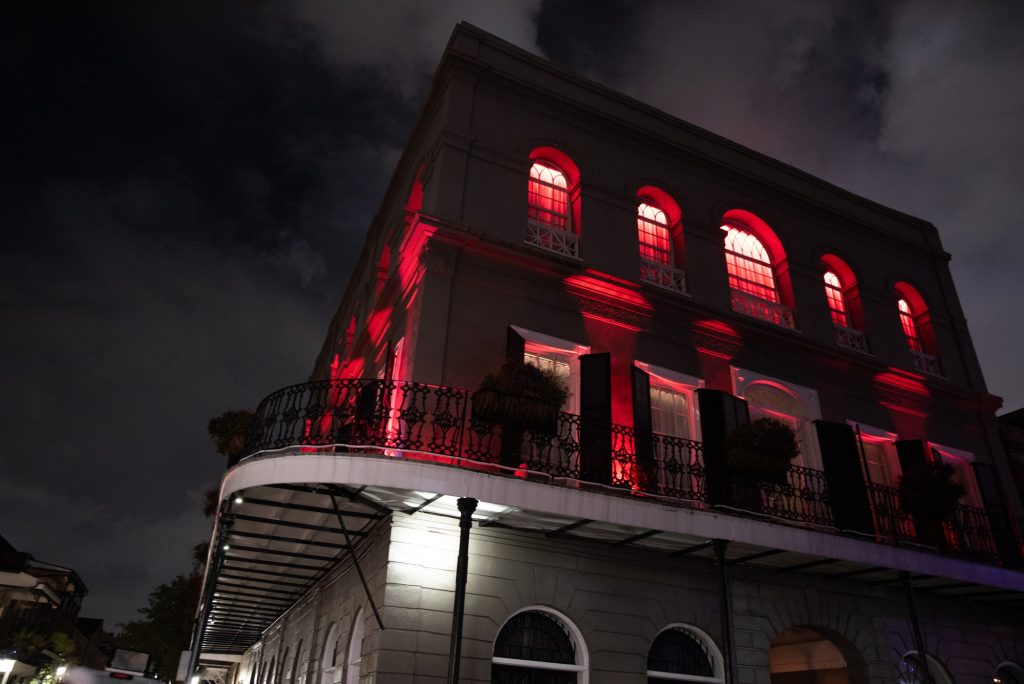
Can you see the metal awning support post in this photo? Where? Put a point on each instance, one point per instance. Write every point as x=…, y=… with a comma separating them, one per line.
x=466, y=508
x=725, y=610
x=915, y=625
x=207, y=599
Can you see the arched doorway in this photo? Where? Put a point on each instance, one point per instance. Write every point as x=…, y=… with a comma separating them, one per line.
x=330, y=656
x=800, y=655
x=355, y=648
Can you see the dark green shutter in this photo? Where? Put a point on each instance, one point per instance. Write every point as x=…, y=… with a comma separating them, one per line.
x=847, y=490
x=596, y=418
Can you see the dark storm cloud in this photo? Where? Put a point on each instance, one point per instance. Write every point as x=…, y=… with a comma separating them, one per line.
x=916, y=105
x=187, y=185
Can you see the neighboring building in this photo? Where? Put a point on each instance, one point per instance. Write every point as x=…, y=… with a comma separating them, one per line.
x=1011, y=426
x=36, y=598
x=681, y=285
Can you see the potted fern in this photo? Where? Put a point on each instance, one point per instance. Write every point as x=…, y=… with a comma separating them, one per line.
x=761, y=450
x=930, y=492
x=520, y=396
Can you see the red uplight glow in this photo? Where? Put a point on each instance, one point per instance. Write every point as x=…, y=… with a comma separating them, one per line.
x=548, y=196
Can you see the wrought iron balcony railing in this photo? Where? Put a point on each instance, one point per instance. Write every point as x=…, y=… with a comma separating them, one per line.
x=437, y=424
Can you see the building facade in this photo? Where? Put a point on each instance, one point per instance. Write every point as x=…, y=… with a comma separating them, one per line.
x=417, y=511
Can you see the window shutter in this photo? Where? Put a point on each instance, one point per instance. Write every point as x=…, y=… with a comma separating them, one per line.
x=596, y=418
x=845, y=477
x=913, y=453
x=720, y=412
x=995, y=508
x=642, y=430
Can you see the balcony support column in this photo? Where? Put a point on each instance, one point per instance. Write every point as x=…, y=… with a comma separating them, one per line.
x=467, y=506
x=915, y=625
x=725, y=610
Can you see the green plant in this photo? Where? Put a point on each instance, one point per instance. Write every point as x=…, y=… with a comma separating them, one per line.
x=524, y=380
x=930, y=490
x=762, y=449
x=230, y=431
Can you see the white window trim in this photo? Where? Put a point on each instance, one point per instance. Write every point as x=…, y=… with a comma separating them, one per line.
x=743, y=378
x=568, y=347
x=582, y=666
x=717, y=662
x=690, y=382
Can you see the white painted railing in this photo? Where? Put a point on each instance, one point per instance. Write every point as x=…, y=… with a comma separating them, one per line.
x=756, y=307
x=663, y=275
x=552, y=239
x=926, y=363
x=851, y=338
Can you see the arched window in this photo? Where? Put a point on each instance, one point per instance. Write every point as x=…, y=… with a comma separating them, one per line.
x=659, y=230
x=752, y=270
x=549, y=196
x=1009, y=673
x=295, y=664
x=844, y=303
x=355, y=649
x=538, y=647
x=909, y=326
x=682, y=653
x=329, y=659
x=552, y=200
x=915, y=320
x=836, y=301
x=911, y=671
x=655, y=240
x=750, y=267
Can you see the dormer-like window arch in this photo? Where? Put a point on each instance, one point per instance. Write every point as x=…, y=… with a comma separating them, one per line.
x=844, y=305
x=756, y=264
x=659, y=235
x=552, y=200
x=916, y=323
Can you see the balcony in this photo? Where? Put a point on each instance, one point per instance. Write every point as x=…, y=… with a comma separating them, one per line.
x=925, y=363
x=435, y=424
x=851, y=338
x=755, y=307
x=552, y=239
x=663, y=276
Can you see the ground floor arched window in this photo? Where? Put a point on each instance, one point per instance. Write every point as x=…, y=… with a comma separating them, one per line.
x=911, y=671
x=681, y=653
x=538, y=646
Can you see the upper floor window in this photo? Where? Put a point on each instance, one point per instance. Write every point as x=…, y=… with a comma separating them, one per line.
x=915, y=320
x=909, y=327
x=655, y=240
x=755, y=268
x=549, y=196
x=836, y=301
x=552, y=200
x=844, y=303
x=659, y=231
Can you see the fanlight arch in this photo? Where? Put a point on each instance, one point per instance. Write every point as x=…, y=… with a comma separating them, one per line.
x=684, y=653
x=540, y=645
x=757, y=269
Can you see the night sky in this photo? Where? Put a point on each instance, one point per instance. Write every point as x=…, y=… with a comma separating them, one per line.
x=186, y=187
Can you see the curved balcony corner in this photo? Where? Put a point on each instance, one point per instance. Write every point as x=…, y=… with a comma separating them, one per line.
x=436, y=424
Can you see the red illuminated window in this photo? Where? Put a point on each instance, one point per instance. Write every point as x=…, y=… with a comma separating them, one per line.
x=655, y=240
x=548, y=196
x=836, y=301
x=909, y=326
x=750, y=268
